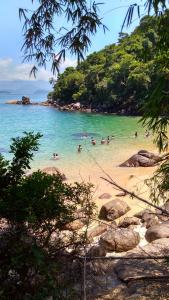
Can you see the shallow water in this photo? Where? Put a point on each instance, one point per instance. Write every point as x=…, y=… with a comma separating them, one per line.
x=63, y=131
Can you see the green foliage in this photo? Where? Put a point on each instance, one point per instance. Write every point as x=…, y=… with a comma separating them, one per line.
x=116, y=78
x=37, y=208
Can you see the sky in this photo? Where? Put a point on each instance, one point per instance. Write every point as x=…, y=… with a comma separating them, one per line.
x=11, y=56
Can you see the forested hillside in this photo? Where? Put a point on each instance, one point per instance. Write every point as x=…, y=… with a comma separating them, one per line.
x=116, y=79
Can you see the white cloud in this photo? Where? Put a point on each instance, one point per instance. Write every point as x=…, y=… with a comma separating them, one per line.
x=9, y=70
x=68, y=63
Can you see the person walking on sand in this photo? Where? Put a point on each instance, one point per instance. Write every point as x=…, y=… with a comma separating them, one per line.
x=79, y=148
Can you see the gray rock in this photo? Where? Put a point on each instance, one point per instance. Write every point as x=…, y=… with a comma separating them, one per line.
x=119, y=240
x=113, y=209
x=157, y=232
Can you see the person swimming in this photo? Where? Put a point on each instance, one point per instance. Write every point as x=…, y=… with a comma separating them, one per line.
x=103, y=141
x=79, y=148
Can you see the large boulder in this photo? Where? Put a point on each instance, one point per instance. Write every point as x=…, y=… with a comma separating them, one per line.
x=119, y=239
x=134, y=269
x=142, y=159
x=157, y=232
x=26, y=100
x=113, y=209
x=53, y=171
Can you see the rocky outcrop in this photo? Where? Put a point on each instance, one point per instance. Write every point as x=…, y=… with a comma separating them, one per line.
x=142, y=159
x=119, y=240
x=52, y=171
x=113, y=210
x=157, y=232
x=135, y=269
x=127, y=221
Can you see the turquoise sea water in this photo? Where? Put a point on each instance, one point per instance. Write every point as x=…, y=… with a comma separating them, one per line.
x=63, y=131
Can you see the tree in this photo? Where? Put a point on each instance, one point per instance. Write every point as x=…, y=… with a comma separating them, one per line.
x=37, y=209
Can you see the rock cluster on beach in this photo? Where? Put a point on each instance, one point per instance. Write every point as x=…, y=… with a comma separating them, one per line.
x=142, y=159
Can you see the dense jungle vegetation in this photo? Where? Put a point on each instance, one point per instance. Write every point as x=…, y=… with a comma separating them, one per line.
x=117, y=78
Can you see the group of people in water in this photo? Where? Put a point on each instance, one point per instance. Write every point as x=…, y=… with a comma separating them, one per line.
x=102, y=142
x=147, y=134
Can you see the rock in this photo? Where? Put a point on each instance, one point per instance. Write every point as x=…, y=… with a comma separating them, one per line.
x=161, y=216
x=135, y=269
x=76, y=105
x=73, y=226
x=142, y=159
x=149, y=219
x=113, y=210
x=129, y=221
x=97, y=230
x=96, y=251
x=157, y=232
x=52, y=171
x=12, y=102
x=119, y=240
x=142, y=212
x=26, y=100
x=152, y=222
x=105, y=196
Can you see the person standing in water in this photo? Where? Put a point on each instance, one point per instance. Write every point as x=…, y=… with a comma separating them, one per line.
x=136, y=134
x=93, y=142
x=103, y=141
x=108, y=139
x=79, y=149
